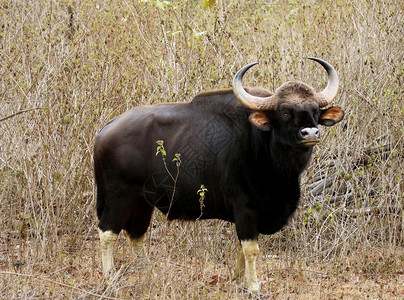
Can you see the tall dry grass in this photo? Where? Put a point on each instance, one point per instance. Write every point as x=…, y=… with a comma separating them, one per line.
x=78, y=64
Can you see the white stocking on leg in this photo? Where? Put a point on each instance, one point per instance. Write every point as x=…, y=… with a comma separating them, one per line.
x=250, y=251
x=107, y=239
x=137, y=245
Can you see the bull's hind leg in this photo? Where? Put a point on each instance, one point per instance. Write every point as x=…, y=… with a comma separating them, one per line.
x=136, y=244
x=136, y=227
x=107, y=239
x=119, y=202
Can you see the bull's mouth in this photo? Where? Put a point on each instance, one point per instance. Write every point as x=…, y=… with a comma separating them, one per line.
x=310, y=142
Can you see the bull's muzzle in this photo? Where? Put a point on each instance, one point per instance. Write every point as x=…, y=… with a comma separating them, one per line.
x=310, y=136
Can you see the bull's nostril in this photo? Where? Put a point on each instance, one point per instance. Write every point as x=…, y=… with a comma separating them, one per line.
x=310, y=133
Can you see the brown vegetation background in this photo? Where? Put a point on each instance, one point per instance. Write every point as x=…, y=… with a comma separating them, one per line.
x=68, y=67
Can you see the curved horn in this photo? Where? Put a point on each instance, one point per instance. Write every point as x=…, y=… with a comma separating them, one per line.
x=250, y=101
x=329, y=93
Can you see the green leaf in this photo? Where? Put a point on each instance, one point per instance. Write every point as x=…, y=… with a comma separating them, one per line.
x=208, y=3
x=163, y=4
x=160, y=5
x=202, y=190
x=160, y=149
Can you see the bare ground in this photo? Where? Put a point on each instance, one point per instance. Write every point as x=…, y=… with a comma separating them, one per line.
x=191, y=267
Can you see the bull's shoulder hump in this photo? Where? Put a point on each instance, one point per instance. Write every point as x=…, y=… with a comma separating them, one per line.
x=213, y=93
x=215, y=98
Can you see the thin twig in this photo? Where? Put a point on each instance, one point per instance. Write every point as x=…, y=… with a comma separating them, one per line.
x=174, y=188
x=19, y=112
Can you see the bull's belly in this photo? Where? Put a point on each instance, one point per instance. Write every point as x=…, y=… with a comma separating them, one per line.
x=274, y=220
x=185, y=204
x=271, y=228
x=181, y=201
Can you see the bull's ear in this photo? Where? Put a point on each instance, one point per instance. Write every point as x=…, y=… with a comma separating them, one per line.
x=261, y=121
x=331, y=116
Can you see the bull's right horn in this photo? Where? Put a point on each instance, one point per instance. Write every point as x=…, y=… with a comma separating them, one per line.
x=250, y=101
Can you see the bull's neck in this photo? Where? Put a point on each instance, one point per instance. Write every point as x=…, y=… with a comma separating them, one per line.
x=280, y=158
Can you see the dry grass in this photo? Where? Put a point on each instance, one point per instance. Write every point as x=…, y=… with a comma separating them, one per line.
x=80, y=63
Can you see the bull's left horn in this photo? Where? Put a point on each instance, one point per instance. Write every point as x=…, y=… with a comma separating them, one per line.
x=250, y=101
x=329, y=93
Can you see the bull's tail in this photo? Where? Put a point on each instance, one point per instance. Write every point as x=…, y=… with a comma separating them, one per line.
x=100, y=197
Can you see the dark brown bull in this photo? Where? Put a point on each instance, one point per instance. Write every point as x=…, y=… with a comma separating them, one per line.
x=247, y=148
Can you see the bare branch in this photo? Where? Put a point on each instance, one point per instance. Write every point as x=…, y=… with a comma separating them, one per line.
x=19, y=112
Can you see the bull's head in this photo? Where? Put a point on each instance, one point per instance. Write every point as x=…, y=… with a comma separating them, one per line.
x=293, y=110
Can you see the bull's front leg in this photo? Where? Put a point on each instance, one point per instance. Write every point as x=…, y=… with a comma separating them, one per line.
x=247, y=232
x=250, y=251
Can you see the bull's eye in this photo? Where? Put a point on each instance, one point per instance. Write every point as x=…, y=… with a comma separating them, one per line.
x=285, y=115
